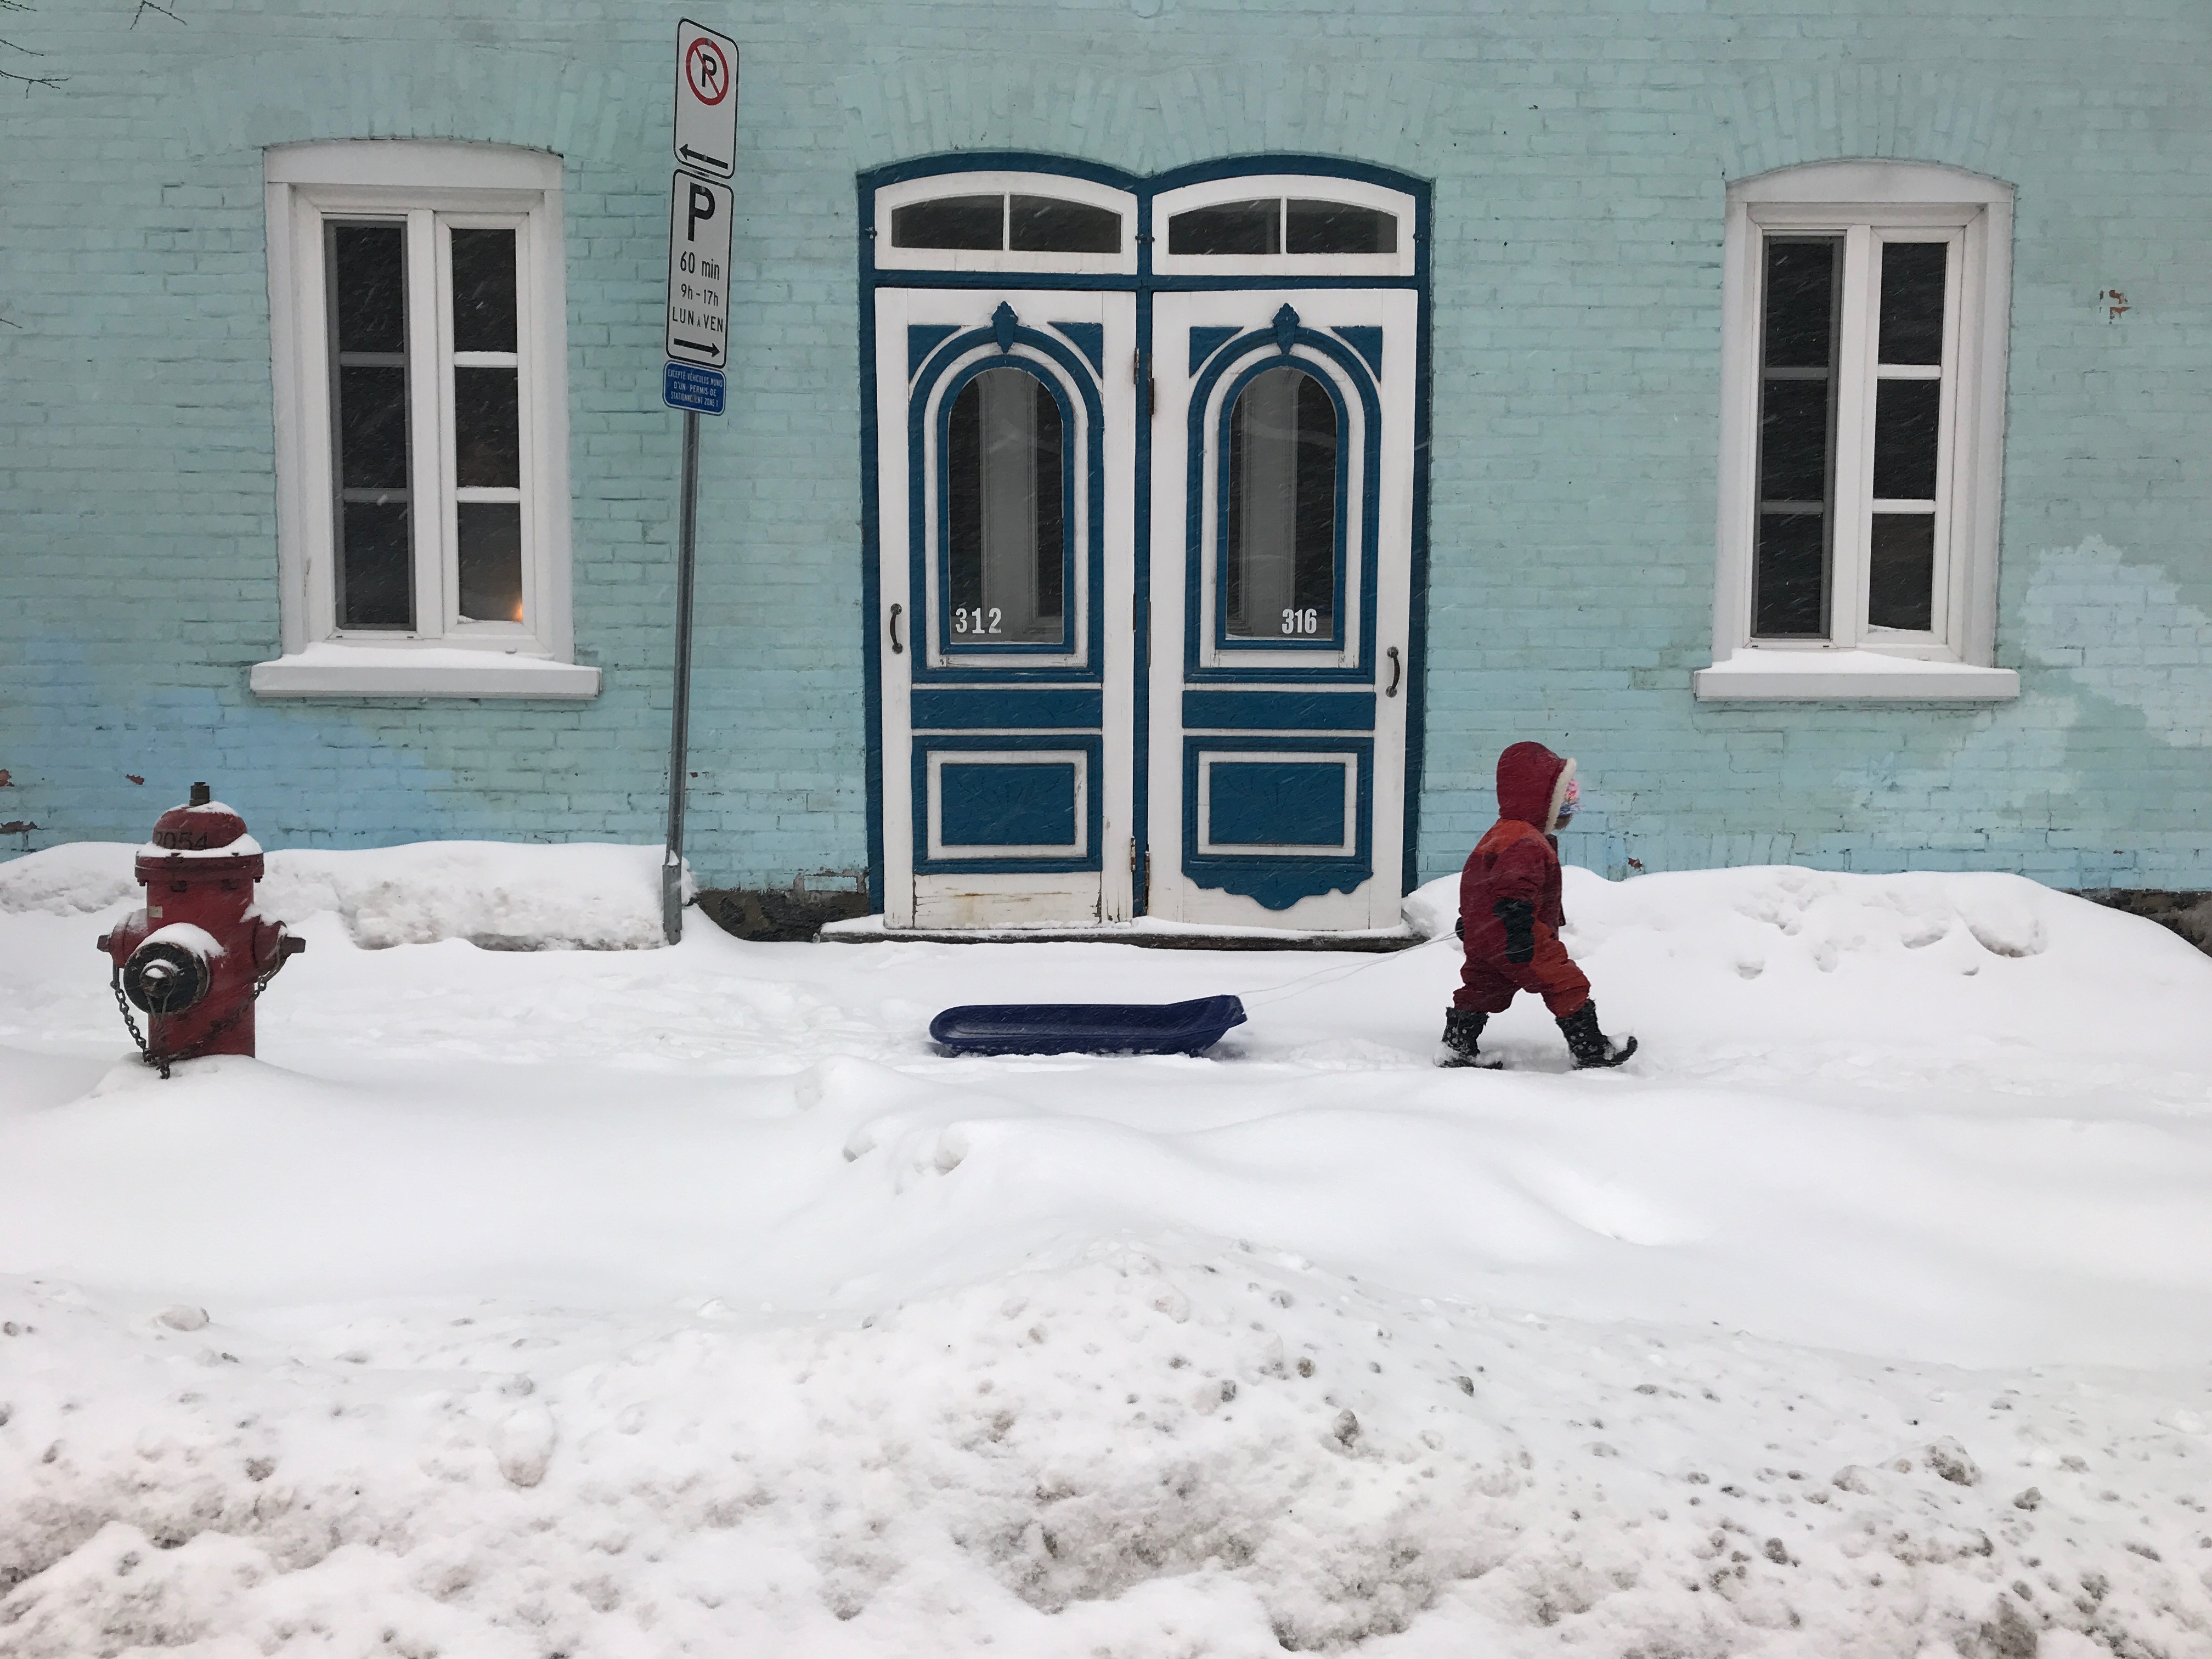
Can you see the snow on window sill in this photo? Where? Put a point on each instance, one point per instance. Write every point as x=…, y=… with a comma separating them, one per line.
x=1753, y=674
x=333, y=670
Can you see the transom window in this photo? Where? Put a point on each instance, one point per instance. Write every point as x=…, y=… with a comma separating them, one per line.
x=1022, y=224
x=1006, y=221
x=1289, y=224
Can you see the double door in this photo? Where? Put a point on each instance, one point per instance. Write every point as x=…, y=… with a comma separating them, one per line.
x=1144, y=605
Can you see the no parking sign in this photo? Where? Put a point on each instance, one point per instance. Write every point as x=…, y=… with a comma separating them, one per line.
x=705, y=100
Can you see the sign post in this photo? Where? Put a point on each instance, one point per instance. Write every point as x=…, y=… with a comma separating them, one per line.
x=696, y=348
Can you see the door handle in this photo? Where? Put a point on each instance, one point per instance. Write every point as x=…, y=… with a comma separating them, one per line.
x=1397, y=672
x=897, y=648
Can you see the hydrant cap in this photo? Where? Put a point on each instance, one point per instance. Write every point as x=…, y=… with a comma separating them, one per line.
x=205, y=825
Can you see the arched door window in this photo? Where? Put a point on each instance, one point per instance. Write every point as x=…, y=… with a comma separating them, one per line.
x=1006, y=510
x=1280, y=551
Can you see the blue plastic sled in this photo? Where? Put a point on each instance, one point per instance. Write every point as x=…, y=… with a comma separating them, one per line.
x=1087, y=1028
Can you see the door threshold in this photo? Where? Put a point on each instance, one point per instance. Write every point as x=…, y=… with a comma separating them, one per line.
x=1145, y=933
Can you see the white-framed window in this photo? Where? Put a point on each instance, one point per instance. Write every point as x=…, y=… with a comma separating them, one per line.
x=1006, y=220
x=1286, y=224
x=1865, y=310
x=418, y=316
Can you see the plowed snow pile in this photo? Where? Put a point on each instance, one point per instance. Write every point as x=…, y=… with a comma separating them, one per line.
x=654, y=1303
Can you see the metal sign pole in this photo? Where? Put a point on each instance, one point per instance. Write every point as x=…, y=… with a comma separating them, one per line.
x=679, y=734
x=696, y=347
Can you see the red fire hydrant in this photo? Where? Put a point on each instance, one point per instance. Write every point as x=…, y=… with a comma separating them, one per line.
x=197, y=956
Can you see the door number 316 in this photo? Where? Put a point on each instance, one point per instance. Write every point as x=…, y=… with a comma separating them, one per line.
x=1302, y=621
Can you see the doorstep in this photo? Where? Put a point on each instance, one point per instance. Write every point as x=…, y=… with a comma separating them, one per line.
x=1145, y=933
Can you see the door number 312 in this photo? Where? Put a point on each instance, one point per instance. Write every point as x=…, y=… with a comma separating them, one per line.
x=967, y=619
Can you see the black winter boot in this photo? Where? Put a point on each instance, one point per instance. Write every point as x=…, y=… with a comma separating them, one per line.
x=1461, y=1027
x=1588, y=1045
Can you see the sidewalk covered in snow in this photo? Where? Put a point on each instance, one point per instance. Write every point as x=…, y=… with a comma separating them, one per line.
x=618, y=1300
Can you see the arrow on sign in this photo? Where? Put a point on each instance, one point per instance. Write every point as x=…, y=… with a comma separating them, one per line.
x=700, y=158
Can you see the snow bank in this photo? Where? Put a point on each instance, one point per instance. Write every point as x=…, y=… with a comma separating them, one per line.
x=686, y=1302
x=499, y=895
x=1150, y=1450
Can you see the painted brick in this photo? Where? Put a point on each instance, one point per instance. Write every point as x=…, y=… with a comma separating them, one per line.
x=1579, y=149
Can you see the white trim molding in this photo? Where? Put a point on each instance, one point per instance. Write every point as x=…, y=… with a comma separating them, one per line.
x=1851, y=652
x=429, y=192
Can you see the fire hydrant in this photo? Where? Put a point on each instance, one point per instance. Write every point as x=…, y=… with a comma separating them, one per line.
x=196, y=957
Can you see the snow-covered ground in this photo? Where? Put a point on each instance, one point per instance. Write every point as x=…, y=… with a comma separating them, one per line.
x=655, y=1303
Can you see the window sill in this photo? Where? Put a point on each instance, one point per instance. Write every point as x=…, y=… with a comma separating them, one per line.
x=333, y=670
x=1767, y=676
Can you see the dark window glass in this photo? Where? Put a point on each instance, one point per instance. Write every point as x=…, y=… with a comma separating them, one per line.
x=1793, y=442
x=376, y=571
x=490, y=556
x=368, y=286
x=1339, y=228
x=373, y=427
x=487, y=430
x=1229, y=227
x=1796, y=436
x=1279, y=575
x=483, y=290
x=1006, y=539
x=1904, y=413
x=1802, y=277
x=366, y=275
x=1912, y=301
x=1045, y=224
x=1901, y=571
x=1790, y=596
x=974, y=222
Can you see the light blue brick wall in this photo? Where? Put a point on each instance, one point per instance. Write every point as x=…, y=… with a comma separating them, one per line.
x=1580, y=148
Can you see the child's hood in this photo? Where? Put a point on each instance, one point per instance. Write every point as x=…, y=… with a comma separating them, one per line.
x=1531, y=779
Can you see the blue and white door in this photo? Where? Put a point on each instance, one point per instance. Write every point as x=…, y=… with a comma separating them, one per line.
x=1144, y=468
x=1282, y=538
x=1004, y=502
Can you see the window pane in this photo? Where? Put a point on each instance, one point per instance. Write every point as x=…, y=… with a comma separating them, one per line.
x=487, y=430
x=373, y=429
x=1793, y=441
x=951, y=222
x=483, y=290
x=490, y=561
x=376, y=574
x=1229, y=227
x=1045, y=224
x=1802, y=289
x=1791, y=596
x=1901, y=573
x=1278, y=580
x=1905, y=439
x=1340, y=228
x=1912, y=301
x=1006, y=541
x=368, y=286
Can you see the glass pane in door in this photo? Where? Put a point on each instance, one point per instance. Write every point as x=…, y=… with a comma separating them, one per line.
x=1006, y=541
x=1278, y=568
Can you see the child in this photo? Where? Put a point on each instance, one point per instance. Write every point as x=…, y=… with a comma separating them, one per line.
x=1510, y=916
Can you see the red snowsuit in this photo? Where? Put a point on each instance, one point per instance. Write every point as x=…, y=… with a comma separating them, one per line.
x=1517, y=860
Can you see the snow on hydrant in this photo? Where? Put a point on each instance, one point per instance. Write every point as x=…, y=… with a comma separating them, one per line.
x=196, y=957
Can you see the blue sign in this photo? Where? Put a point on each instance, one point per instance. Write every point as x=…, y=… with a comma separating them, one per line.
x=685, y=386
